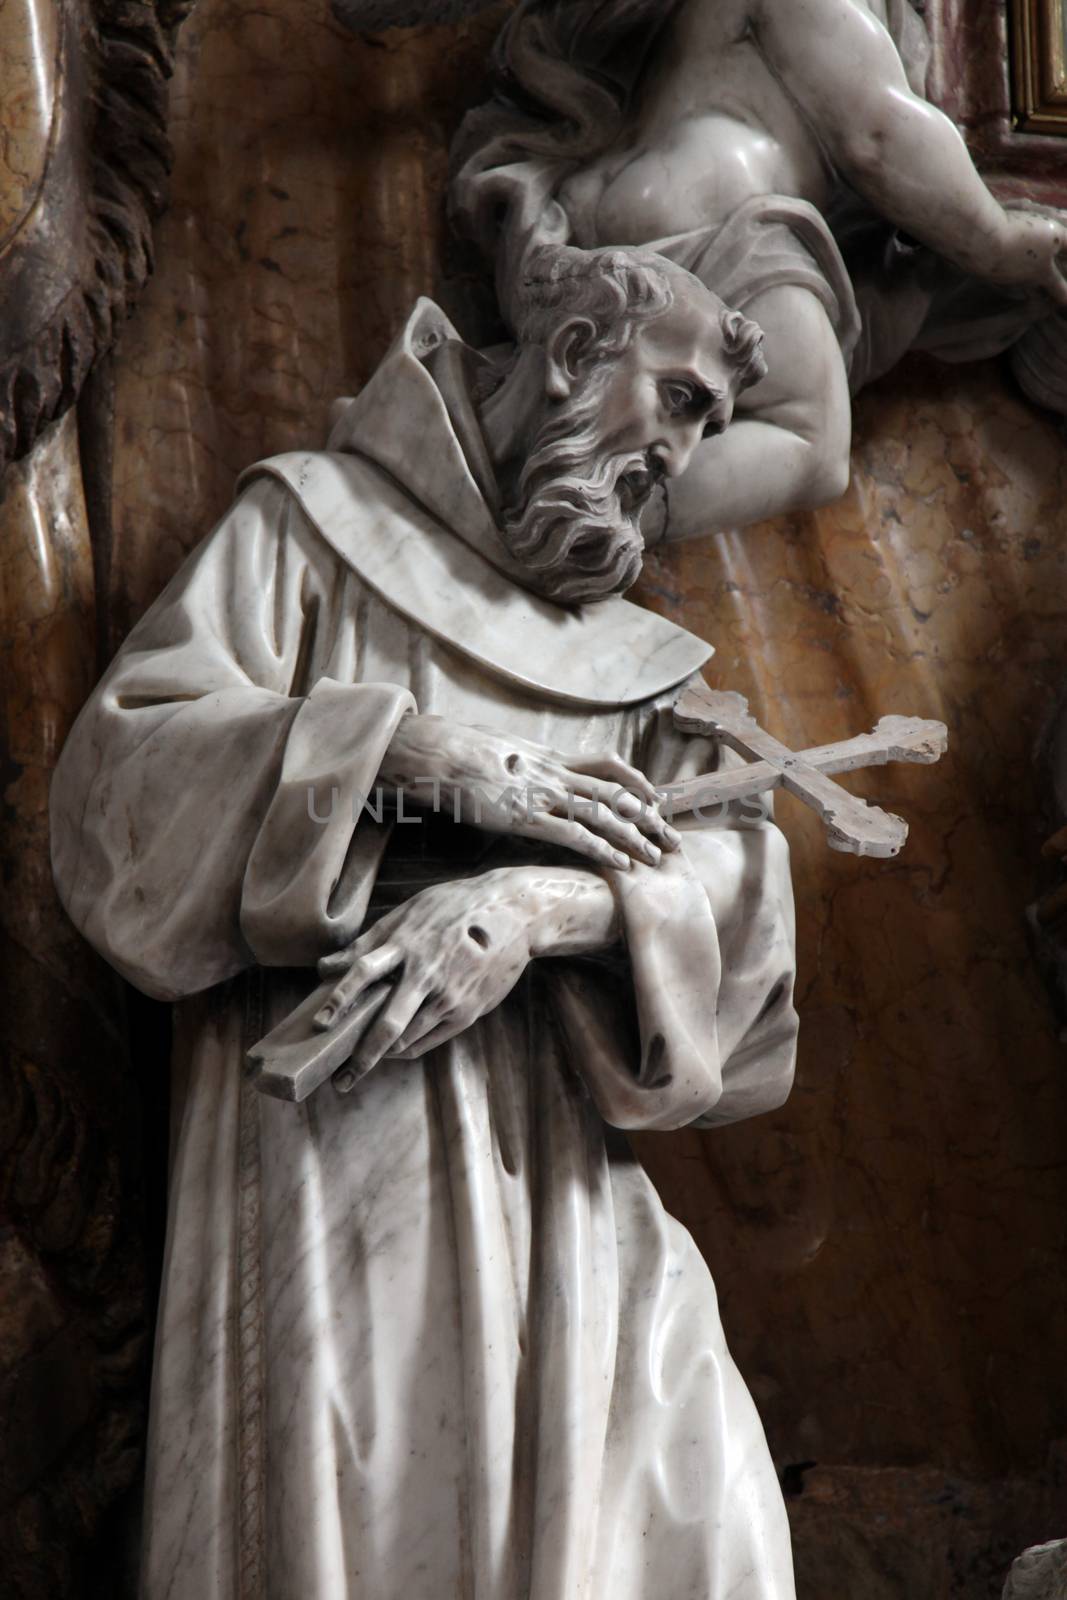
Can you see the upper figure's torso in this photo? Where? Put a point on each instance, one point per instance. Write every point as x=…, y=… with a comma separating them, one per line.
x=710, y=127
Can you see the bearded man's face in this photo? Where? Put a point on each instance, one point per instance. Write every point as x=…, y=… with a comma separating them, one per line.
x=628, y=421
x=576, y=521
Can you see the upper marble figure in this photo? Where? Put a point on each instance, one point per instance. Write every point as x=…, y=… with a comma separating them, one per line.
x=782, y=151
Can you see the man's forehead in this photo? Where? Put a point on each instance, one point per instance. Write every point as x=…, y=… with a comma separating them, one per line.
x=688, y=340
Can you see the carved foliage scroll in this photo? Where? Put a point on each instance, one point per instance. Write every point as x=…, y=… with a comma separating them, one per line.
x=84, y=160
x=82, y=173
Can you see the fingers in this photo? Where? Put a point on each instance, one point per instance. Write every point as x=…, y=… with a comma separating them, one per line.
x=611, y=768
x=377, y=1043
x=339, y=961
x=364, y=970
x=333, y=965
x=1053, y=246
x=573, y=835
x=633, y=796
x=604, y=822
x=1057, y=284
x=388, y=1026
x=626, y=806
x=450, y=1024
x=429, y=1019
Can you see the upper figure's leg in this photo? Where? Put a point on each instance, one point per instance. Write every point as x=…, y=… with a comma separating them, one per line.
x=787, y=448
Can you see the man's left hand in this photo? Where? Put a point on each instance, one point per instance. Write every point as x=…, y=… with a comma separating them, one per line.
x=453, y=952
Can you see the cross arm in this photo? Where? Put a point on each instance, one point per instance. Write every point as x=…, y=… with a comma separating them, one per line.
x=851, y=823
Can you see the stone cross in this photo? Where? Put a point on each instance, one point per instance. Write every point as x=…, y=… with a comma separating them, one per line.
x=851, y=824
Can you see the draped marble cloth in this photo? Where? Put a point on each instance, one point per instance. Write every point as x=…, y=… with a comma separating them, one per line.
x=882, y=294
x=438, y=1338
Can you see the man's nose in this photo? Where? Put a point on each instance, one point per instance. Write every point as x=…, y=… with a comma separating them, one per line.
x=675, y=450
x=679, y=444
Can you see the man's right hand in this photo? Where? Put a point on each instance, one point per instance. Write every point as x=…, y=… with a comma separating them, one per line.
x=1032, y=253
x=596, y=805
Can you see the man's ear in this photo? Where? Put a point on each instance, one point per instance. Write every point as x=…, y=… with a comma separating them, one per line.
x=563, y=355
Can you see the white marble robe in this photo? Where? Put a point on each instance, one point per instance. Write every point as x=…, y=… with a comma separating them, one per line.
x=437, y=1340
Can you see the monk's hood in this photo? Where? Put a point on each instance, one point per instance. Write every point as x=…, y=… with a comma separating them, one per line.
x=394, y=496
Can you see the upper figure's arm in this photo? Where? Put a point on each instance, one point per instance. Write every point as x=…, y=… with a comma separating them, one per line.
x=840, y=67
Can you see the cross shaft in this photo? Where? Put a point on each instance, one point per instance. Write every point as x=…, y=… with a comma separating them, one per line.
x=851, y=823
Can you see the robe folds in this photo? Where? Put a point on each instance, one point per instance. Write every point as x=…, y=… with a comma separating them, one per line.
x=438, y=1339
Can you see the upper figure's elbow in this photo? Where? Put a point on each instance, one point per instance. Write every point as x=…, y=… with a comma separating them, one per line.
x=865, y=149
x=826, y=480
x=878, y=131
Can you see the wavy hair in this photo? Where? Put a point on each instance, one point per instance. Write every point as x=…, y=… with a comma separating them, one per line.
x=561, y=76
x=616, y=290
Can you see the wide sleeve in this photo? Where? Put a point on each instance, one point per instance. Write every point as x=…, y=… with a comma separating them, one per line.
x=700, y=1027
x=204, y=810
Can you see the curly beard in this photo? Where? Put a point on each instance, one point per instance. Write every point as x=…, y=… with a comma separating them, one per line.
x=576, y=521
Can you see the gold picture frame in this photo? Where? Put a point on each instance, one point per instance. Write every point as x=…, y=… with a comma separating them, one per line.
x=1039, y=66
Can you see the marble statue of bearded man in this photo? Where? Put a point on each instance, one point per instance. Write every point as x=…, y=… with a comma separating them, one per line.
x=438, y=1337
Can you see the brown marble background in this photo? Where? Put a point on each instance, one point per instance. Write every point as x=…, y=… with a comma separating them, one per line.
x=890, y=1246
